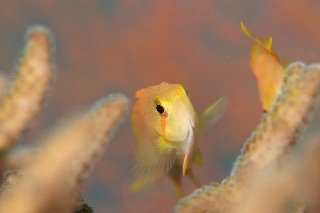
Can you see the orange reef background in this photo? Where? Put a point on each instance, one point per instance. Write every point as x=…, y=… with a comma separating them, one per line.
x=110, y=46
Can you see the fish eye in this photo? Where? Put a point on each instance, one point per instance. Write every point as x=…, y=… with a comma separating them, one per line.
x=159, y=107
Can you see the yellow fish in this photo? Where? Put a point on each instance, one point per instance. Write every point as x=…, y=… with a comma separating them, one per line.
x=167, y=126
x=267, y=68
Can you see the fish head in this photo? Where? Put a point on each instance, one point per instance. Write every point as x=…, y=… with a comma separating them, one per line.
x=165, y=113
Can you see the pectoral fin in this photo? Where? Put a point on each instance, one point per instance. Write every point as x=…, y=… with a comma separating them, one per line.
x=212, y=113
x=151, y=164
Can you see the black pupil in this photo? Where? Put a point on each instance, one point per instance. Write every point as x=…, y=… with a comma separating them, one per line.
x=160, y=109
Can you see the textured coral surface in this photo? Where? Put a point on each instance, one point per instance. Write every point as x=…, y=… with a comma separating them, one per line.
x=121, y=46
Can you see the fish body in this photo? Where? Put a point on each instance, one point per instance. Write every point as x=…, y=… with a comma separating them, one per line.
x=267, y=68
x=166, y=126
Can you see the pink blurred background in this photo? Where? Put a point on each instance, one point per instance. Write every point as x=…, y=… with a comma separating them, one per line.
x=105, y=47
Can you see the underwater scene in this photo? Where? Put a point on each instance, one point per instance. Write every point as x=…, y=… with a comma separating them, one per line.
x=159, y=106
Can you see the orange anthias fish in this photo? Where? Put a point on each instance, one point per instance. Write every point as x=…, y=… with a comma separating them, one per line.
x=167, y=126
x=267, y=68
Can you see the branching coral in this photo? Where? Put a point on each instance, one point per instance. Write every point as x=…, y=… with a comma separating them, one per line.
x=263, y=154
x=52, y=178
x=66, y=156
x=23, y=100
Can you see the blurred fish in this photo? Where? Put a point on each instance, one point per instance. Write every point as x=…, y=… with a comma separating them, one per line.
x=167, y=126
x=267, y=68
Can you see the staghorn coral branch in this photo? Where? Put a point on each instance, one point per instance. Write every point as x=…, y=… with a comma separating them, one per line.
x=277, y=132
x=53, y=179
x=285, y=189
x=23, y=100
